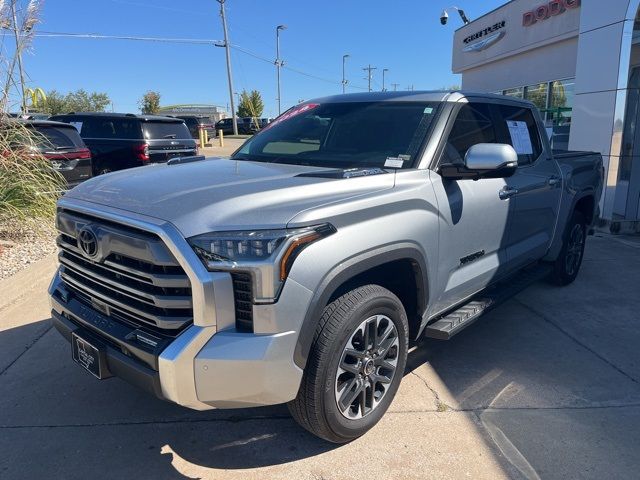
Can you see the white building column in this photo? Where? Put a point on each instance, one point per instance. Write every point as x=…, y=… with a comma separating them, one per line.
x=602, y=74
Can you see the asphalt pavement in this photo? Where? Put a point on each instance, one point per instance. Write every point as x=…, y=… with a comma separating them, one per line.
x=545, y=386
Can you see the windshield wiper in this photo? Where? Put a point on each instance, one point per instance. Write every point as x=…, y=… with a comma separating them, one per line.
x=171, y=135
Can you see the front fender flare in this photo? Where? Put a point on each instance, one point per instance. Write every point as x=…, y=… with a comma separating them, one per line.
x=347, y=270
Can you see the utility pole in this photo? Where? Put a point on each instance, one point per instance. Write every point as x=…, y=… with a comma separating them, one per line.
x=384, y=70
x=19, y=54
x=344, y=80
x=369, y=69
x=279, y=62
x=229, y=75
x=395, y=86
x=410, y=88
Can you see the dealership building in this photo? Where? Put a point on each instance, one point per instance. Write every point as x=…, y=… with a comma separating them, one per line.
x=579, y=62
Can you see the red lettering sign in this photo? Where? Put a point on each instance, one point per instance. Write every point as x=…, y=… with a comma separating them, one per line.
x=292, y=113
x=551, y=9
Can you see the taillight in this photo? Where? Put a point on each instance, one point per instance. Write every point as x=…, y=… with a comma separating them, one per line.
x=142, y=152
x=84, y=153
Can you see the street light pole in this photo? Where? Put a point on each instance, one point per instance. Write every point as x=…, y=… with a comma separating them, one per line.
x=229, y=75
x=384, y=70
x=279, y=62
x=344, y=80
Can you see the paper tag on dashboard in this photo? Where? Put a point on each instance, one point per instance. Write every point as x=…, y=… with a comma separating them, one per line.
x=393, y=162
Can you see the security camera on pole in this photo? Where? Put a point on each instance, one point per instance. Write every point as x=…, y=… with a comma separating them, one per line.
x=444, y=16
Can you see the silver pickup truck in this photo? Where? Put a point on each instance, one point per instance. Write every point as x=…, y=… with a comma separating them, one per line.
x=300, y=269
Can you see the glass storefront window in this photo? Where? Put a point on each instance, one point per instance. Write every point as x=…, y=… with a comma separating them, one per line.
x=514, y=92
x=562, y=92
x=537, y=94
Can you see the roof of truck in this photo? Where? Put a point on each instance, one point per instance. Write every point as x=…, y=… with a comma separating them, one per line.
x=416, y=96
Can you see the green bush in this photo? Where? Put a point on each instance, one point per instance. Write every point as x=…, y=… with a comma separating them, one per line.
x=29, y=186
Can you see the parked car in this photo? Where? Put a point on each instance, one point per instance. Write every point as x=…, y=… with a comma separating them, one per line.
x=124, y=140
x=246, y=126
x=299, y=270
x=195, y=123
x=61, y=144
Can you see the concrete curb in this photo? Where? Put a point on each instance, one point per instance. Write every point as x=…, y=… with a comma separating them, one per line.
x=35, y=277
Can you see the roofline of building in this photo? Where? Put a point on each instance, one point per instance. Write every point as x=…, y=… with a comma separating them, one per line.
x=484, y=15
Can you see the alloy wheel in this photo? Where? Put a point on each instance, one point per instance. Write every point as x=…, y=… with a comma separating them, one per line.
x=575, y=249
x=367, y=367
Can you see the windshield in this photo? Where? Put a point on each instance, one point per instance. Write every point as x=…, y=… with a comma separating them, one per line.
x=160, y=130
x=344, y=135
x=57, y=138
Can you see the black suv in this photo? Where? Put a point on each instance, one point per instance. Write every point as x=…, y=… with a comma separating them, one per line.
x=61, y=144
x=246, y=126
x=124, y=140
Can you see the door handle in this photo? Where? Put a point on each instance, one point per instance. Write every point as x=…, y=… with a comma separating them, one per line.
x=507, y=192
x=553, y=181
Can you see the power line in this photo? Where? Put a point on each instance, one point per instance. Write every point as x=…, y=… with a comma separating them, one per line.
x=292, y=69
x=194, y=41
x=191, y=41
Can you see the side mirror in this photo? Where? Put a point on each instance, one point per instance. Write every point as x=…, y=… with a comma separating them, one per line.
x=491, y=157
x=484, y=160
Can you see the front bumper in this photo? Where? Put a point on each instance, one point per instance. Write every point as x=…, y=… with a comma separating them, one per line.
x=119, y=364
x=200, y=368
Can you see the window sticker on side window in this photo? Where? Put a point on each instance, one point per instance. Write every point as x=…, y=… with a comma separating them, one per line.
x=520, y=138
x=78, y=125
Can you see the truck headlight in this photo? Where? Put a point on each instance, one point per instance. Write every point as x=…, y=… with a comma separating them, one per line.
x=266, y=254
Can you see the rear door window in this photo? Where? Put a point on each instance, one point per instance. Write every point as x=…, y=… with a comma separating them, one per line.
x=110, y=128
x=472, y=125
x=519, y=129
x=165, y=130
x=57, y=138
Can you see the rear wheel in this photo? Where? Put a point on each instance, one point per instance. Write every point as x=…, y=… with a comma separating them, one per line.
x=567, y=265
x=355, y=366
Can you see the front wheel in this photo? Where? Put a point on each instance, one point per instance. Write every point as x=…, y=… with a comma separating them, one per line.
x=567, y=265
x=355, y=365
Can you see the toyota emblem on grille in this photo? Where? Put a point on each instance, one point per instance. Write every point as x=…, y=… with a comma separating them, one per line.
x=88, y=242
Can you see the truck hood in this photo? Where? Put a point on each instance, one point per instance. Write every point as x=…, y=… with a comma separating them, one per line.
x=220, y=194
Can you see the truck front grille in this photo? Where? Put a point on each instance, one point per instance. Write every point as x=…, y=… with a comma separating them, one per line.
x=135, y=279
x=243, y=300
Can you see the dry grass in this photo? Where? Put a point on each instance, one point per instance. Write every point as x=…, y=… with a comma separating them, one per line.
x=29, y=186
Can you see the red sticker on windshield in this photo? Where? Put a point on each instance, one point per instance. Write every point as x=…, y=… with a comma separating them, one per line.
x=292, y=113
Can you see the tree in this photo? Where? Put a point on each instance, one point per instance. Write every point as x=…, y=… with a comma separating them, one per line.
x=55, y=103
x=150, y=102
x=251, y=104
x=78, y=101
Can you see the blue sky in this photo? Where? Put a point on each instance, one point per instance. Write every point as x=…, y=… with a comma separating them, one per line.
x=404, y=36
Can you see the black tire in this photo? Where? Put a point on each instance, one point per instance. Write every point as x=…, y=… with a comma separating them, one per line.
x=100, y=170
x=340, y=327
x=567, y=265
